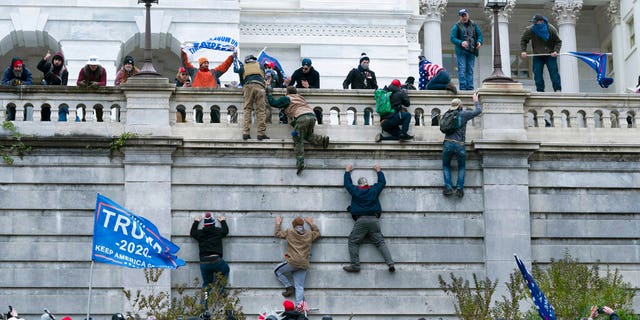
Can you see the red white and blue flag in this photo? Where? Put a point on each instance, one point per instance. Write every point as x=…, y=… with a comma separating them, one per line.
x=123, y=238
x=597, y=61
x=545, y=310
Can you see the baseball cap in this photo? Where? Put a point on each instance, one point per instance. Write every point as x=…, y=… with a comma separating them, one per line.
x=462, y=11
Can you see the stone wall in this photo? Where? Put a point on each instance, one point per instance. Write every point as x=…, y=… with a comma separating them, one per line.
x=535, y=191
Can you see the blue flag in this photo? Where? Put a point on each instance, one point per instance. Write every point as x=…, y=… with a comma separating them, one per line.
x=597, y=61
x=264, y=57
x=219, y=43
x=545, y=310
x=122, y=238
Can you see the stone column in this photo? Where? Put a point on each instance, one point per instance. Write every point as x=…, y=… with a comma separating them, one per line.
x=433, y=11
x=566, y=13
x=414, y=24
x=503, y=25
x=617, y=45
x=505, y=174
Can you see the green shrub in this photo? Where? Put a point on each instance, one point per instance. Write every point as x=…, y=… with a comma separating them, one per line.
x=471, y=303
x=187, y=303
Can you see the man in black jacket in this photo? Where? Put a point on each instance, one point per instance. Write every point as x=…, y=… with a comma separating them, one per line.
x=306, y=76
x=361, y=77
x=396, y=123
x=210, y=246
x=365, y=209
x=55, y=73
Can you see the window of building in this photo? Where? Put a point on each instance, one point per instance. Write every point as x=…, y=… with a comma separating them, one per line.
x=520, y=68
x=632, y=33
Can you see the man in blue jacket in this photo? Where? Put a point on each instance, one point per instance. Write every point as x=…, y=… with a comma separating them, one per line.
x=365, y=210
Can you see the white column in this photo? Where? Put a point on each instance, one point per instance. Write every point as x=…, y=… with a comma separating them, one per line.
x=433, y=11
x=617, y=46
x=503, y=25
x=566, y=12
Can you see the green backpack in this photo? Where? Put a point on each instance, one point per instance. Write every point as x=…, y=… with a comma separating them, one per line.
x=383, y=102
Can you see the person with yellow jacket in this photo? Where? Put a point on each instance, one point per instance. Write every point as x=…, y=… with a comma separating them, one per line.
x=297, y=256
x=302, y=119
x=202, y=77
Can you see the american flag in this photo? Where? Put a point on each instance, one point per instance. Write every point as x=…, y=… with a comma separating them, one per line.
x=545, y=310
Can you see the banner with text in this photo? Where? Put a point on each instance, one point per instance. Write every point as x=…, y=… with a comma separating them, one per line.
x=122, y=238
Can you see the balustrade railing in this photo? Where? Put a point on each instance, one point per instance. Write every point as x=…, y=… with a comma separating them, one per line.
x=344, y=108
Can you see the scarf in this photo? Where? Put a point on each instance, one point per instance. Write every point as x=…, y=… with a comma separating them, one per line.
x=541, y=30
x=299, y=229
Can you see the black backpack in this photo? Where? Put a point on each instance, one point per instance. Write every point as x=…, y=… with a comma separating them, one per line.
x=451, y=121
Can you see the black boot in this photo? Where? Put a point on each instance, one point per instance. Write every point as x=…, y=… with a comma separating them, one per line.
x=288, y=292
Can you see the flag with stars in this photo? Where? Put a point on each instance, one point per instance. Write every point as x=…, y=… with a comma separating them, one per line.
x=545, y=310
x=598, y=62
x=123, y=238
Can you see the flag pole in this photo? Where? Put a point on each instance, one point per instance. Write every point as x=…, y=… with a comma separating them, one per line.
x=559, y=53
x=90, y=285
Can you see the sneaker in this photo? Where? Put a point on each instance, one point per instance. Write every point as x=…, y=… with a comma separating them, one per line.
x=378, y=137
x=325, y=142
x=459, y=193
x=263, y=137
x=392, y=268
x=452, y=88
x=447, y=192
x=288, y=292
x=350, y=269
x=405, y=136
x=246, y=137
x=300, y=167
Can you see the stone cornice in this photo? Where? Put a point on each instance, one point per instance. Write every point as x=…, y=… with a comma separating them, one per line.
x=567, y=11
x=297, y=30
x=503, y=15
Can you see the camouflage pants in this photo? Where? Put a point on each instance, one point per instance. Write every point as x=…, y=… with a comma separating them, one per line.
x=303, y=130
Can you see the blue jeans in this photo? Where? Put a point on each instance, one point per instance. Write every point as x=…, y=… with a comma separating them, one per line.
x=465, y=60
x=552, y=67
x=209, y=272
x=392, y=124
x=439, y=82
x=283, y=270
x=449, y=149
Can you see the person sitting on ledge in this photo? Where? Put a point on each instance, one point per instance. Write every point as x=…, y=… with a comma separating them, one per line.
x=434, y=77
x=396, y=123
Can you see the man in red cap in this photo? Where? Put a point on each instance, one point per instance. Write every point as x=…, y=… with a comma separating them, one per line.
x=396, y=123
x=210, y=247
x=297, y=256
x=290, y=312
x=16, y=74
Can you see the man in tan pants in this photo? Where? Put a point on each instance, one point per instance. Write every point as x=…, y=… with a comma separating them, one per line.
x=254, y=98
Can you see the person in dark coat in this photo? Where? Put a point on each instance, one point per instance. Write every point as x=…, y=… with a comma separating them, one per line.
x=16, y=74
x=396, y=124
x=306, y=76
x=291, y=313
x=361, y=77
x=210, y=250
x=55, y=73
x=365, y=209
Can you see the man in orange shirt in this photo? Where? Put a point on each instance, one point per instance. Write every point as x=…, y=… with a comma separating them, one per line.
x=202, y=77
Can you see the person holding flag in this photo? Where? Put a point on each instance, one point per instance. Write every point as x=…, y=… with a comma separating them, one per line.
x=210, y=248
x=546, y=44
x=203, y=77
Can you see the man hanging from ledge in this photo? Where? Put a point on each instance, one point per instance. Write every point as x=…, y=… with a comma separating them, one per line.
x=302, y=119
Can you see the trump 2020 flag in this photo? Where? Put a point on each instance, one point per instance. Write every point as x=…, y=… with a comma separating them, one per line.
x=219, y=43
x=122, y=238
x=545, y=310
x=264, y=57
x=597, y=61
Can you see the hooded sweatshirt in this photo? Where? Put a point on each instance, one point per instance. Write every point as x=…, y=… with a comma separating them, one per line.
x=299, y=245
x=54, y=75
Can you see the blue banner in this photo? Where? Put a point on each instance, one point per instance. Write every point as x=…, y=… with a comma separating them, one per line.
x=264, y=57
x=597, y=61
x=122, y=238
x=545, y=310
x=220, y=43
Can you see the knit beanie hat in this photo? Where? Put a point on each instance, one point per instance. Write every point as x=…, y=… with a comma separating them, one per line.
x=363, y=56
x=202, y=60
x=396, y=83
x=208, y=220
x=17, y=62
x=128, y=60
x=288, y=305
x=297, y=222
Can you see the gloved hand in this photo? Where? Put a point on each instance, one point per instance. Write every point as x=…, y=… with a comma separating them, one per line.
x=16, y=82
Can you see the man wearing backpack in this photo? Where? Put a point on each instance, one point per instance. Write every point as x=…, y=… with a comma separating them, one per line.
x=454, y=142
x=396, y=121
